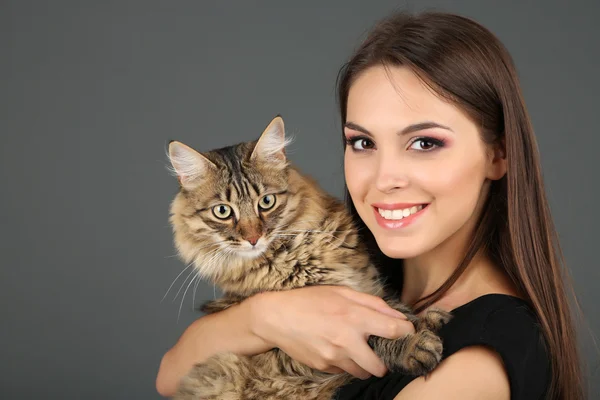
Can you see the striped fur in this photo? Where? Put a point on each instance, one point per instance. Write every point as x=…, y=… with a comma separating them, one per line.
x=306, y=238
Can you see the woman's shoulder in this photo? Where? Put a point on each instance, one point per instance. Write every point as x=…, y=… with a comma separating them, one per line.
x=493, y=328
x=500, y=319
x=503, y=322
x=508, y=326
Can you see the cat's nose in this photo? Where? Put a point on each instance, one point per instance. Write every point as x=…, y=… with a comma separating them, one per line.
x=253, y=240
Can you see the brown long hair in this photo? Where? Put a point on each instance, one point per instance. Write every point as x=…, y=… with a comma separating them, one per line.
x=466, y=64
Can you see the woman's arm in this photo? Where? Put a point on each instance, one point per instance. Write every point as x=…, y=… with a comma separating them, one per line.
x=324, y=327
x=473, y=373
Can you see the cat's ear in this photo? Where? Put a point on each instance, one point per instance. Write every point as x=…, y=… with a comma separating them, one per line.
x=270, y=147
x=188, y=165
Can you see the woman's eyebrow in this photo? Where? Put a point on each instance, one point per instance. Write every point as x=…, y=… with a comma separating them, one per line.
x=409, y=129
x=422, y=126
x=356, y=127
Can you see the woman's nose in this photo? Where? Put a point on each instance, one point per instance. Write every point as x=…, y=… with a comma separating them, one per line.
x=391, y=173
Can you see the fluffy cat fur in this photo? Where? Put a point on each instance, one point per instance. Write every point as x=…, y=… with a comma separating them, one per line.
x=250, y=222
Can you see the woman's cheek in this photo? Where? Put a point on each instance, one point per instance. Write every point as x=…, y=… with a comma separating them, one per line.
x=446, y=176
x=356, y=172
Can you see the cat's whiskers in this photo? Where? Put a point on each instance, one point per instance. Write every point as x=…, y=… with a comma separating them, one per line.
x=216, y=255
x=189, y=265
x=285, y=228
x=194, y=293
x=204, y=264
x=282, y=237
x=200, y=277
x=183, y=297
x=183, y=284
x=195, y=269
x=326, y=233
x=313, y=230
x=217, y=262
x=212, y=264
x=175, y=280
x=320, y=222
x=295, y=222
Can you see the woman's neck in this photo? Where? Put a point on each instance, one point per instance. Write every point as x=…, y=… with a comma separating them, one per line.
x=423, y=275
x=426, y=273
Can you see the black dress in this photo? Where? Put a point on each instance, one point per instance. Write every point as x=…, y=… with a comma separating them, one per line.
x=504, y=323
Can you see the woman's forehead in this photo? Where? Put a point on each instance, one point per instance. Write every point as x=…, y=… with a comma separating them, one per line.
x=382, y=96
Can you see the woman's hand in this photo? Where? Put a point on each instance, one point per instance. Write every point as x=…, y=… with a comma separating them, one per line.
x=327, y=327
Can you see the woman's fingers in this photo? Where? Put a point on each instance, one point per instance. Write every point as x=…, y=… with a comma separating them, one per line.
x=366, y=359
x=373, y=302
x=351, y=367
x=377, y=324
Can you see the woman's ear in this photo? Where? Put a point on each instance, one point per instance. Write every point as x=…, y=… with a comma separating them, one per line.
x=497, y=167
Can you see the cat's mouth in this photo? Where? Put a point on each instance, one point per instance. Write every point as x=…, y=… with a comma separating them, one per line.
x=247, y=250
x=251, y=252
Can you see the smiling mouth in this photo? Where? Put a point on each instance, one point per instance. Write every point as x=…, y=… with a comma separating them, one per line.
x=400, y=213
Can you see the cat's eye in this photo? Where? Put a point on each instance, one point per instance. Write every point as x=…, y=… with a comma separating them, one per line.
x=267, y=202
x=222, y=211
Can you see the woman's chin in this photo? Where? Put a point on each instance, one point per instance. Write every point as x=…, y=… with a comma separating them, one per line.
x=399, y=249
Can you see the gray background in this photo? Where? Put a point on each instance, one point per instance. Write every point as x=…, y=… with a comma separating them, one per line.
x=91, y=92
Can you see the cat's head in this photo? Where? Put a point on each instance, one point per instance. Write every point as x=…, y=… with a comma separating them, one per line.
x=232, y=201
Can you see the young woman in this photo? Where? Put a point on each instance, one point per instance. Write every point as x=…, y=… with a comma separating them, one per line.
x=442, y=169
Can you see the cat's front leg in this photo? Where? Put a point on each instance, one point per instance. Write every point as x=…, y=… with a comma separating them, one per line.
x=221, y=377
x=433, y=320
x=415, y=354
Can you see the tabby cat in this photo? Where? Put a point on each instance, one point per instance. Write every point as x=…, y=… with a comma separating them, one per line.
x=250, y=222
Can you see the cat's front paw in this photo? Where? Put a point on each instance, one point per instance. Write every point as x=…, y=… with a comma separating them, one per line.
x=422, y=352
x=433, y=320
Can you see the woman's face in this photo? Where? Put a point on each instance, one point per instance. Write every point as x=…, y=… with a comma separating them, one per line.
x=415, y=165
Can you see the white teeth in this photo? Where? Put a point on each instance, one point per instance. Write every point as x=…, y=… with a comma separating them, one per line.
x=399, y=214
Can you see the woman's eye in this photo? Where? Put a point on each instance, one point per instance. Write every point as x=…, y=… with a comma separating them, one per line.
x=426, y=144
x=222, y=211
x=361, y=143
x=266, y=202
